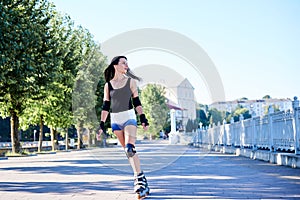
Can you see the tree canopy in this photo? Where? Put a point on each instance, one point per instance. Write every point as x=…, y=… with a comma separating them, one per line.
x=43, y=58
x=155, y=107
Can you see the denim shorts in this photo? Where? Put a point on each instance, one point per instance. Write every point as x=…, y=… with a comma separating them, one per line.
x=118, y=127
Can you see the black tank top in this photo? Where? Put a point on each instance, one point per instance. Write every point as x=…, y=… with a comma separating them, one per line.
x=120, y=98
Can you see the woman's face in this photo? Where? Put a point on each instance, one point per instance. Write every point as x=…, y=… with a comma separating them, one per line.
x=122, y=66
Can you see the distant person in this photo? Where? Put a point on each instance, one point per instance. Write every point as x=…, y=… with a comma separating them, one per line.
x=161, y=134
x=120, y=96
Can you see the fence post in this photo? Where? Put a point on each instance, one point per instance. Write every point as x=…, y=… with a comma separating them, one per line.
x=200, y=136
x=242, y=131
x=270, y=119
x=224, y=133
x=296, y=124
x=253, y=125
x=232, y=132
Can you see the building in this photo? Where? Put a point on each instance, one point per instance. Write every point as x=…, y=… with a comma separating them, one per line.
x=179, y=90
x=255, y=107
x=181, y=95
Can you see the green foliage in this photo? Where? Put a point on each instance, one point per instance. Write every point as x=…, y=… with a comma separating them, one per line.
x=275, y=108
x=53, y=102
x=237, y=113
x=85, y=94
x=202, y=117
x=25, y=50
x=155, y=107
x=215, y=116
x=267, y=97
x=44, y=58
x=191, y=125
x=22, y=153
x=243, y=99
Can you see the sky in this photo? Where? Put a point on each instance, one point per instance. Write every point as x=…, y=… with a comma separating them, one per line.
x=254, y=45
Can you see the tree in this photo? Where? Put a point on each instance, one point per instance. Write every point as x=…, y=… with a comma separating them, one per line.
x=42, y=55
x=273, y=106
x=202, y=117
x=215, y=116
x=243, y=99
x=191, y=125
x=84, y=94
x=267, y=97
x=52, y=105
x=154, y=106
x=237, y=113
x=201, y=114
x=71, y=58
x=25, y=63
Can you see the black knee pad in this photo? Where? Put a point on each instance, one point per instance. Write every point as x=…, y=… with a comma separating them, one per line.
x=130, y=150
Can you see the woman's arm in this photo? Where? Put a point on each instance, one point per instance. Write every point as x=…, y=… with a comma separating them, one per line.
x=137, y=104
x=105, y=108
x=135, y=94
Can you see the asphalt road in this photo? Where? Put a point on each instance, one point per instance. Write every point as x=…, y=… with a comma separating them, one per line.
x=173, y=172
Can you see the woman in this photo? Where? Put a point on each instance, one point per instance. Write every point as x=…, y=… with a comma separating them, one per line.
x=120, y=95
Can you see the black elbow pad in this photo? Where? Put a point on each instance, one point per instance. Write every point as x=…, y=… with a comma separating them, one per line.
x=136, y=102
x=106, y=105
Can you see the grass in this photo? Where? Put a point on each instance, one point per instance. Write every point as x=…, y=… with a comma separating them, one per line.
x=22, y=153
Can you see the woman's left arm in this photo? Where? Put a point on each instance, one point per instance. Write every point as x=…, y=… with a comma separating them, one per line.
x=135, y=95
x=137, y=104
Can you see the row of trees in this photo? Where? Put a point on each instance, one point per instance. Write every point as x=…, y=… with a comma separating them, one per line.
x=46, y=66
x=51, y=74
x=212, y=116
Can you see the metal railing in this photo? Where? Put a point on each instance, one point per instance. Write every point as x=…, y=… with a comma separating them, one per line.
x=274, y=132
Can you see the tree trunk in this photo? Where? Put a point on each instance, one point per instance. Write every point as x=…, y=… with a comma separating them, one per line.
x=14, y=126
x=52, y=133
x=67, y=140
x=79, y=133
x=89, y=137
x=40, y=146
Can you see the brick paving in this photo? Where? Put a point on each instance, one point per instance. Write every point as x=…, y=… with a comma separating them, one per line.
x=173, y=172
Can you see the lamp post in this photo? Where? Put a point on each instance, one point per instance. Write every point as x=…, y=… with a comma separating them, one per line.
x=172, y=134
x=34, y=135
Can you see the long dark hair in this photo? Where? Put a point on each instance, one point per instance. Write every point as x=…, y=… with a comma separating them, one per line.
x=109, y=72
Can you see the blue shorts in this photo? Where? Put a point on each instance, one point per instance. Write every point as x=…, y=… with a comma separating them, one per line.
x=118, y=127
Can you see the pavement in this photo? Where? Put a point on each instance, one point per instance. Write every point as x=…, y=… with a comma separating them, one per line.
x=173, y=172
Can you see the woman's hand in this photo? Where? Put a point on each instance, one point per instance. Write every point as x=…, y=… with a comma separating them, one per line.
x=145, y=127
x=101, y=130
x=99, y=134
x=144, y=122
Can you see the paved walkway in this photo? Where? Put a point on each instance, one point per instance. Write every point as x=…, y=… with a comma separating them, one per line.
x=174, y=172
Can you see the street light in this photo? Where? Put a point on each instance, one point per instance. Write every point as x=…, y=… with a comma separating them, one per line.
x=34, y=133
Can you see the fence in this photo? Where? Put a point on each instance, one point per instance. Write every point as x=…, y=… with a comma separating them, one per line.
x=274, y=132
x=32, y=146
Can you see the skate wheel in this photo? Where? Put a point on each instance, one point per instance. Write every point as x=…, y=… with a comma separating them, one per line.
x=140, y=197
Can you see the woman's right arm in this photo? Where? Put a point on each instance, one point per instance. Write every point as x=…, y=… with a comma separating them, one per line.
x=105, y=107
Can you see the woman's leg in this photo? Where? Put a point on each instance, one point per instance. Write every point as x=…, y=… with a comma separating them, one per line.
x=120, y=136
x=140, y=182
x=130, y=134
x=130, y=138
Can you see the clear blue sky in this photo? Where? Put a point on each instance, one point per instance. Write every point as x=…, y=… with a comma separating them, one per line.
x=254, y=44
